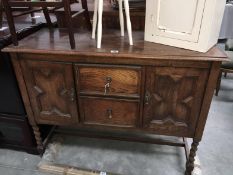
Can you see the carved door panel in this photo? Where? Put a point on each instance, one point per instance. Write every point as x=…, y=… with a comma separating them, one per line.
x=173, y=99
x=51, y=91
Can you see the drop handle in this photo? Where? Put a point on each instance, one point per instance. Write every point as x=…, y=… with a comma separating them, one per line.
x=109, y=113
x=147, y=97
x=107, y=85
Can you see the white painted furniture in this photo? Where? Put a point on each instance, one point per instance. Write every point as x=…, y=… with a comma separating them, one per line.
x=189, y=24
x=98, y=8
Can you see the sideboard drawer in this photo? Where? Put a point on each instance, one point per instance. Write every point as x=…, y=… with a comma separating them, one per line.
x=109, y=112
x=109, y=80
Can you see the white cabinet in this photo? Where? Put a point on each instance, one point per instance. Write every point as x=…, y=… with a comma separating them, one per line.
x=189, y=24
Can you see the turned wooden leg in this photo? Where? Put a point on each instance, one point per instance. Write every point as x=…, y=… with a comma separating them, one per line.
x=38, y=138
x=191, y=158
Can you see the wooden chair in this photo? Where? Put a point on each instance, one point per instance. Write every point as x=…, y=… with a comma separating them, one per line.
x=42, y=5
x=225, y=68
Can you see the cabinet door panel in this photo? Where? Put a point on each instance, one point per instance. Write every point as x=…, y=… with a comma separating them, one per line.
x=173, y=99
x=169, y=19
x=51, y=90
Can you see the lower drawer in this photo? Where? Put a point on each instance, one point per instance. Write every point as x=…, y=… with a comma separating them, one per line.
x=109, y=112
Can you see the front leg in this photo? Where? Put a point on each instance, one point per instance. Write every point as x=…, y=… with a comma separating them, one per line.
x=40, y=146
x=191, y=158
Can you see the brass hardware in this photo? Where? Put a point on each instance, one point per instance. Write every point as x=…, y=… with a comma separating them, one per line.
x=107, y=85
x=147, y=97
x=69, y=95
x=109, y=112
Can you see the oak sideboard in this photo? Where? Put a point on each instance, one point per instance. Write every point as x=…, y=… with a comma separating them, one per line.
x=147, y=87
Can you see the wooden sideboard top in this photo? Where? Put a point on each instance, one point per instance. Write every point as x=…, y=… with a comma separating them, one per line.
x=56, y=41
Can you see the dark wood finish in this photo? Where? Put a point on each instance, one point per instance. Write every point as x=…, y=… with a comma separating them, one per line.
x=52, y=92
x=137, y=17
x=44, y=5
x=208, y=95
x=109, y=80
x=10, y=21
x=93, y=134
x=173, y=99
x=109, y=112
x=191, y=159
x=159, y=89
x=49, y=42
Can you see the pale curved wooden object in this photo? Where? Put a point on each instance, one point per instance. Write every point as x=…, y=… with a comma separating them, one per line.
x=97, y=20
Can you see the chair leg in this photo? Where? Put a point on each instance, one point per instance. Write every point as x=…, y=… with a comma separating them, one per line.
x=47, y=17
x=225, y=74
x=10, y=21
x=69, y=22
x=129, y=27
x=121, y=17
x=32, y=15
x=99, y=32
x=95, y=19
x=86, y=14
x=218, y=83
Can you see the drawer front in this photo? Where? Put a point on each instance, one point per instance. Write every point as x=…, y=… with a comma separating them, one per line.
x=116, y=81
x=109, y=112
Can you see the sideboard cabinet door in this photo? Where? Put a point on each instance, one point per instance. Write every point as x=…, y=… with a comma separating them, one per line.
x=173, y=99
x=51, y=91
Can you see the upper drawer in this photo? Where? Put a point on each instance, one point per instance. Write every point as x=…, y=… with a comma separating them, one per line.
x=108, y=80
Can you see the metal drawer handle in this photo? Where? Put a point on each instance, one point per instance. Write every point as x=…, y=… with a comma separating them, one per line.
x=109, y=113
x=107, y=85
x=147, y=97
